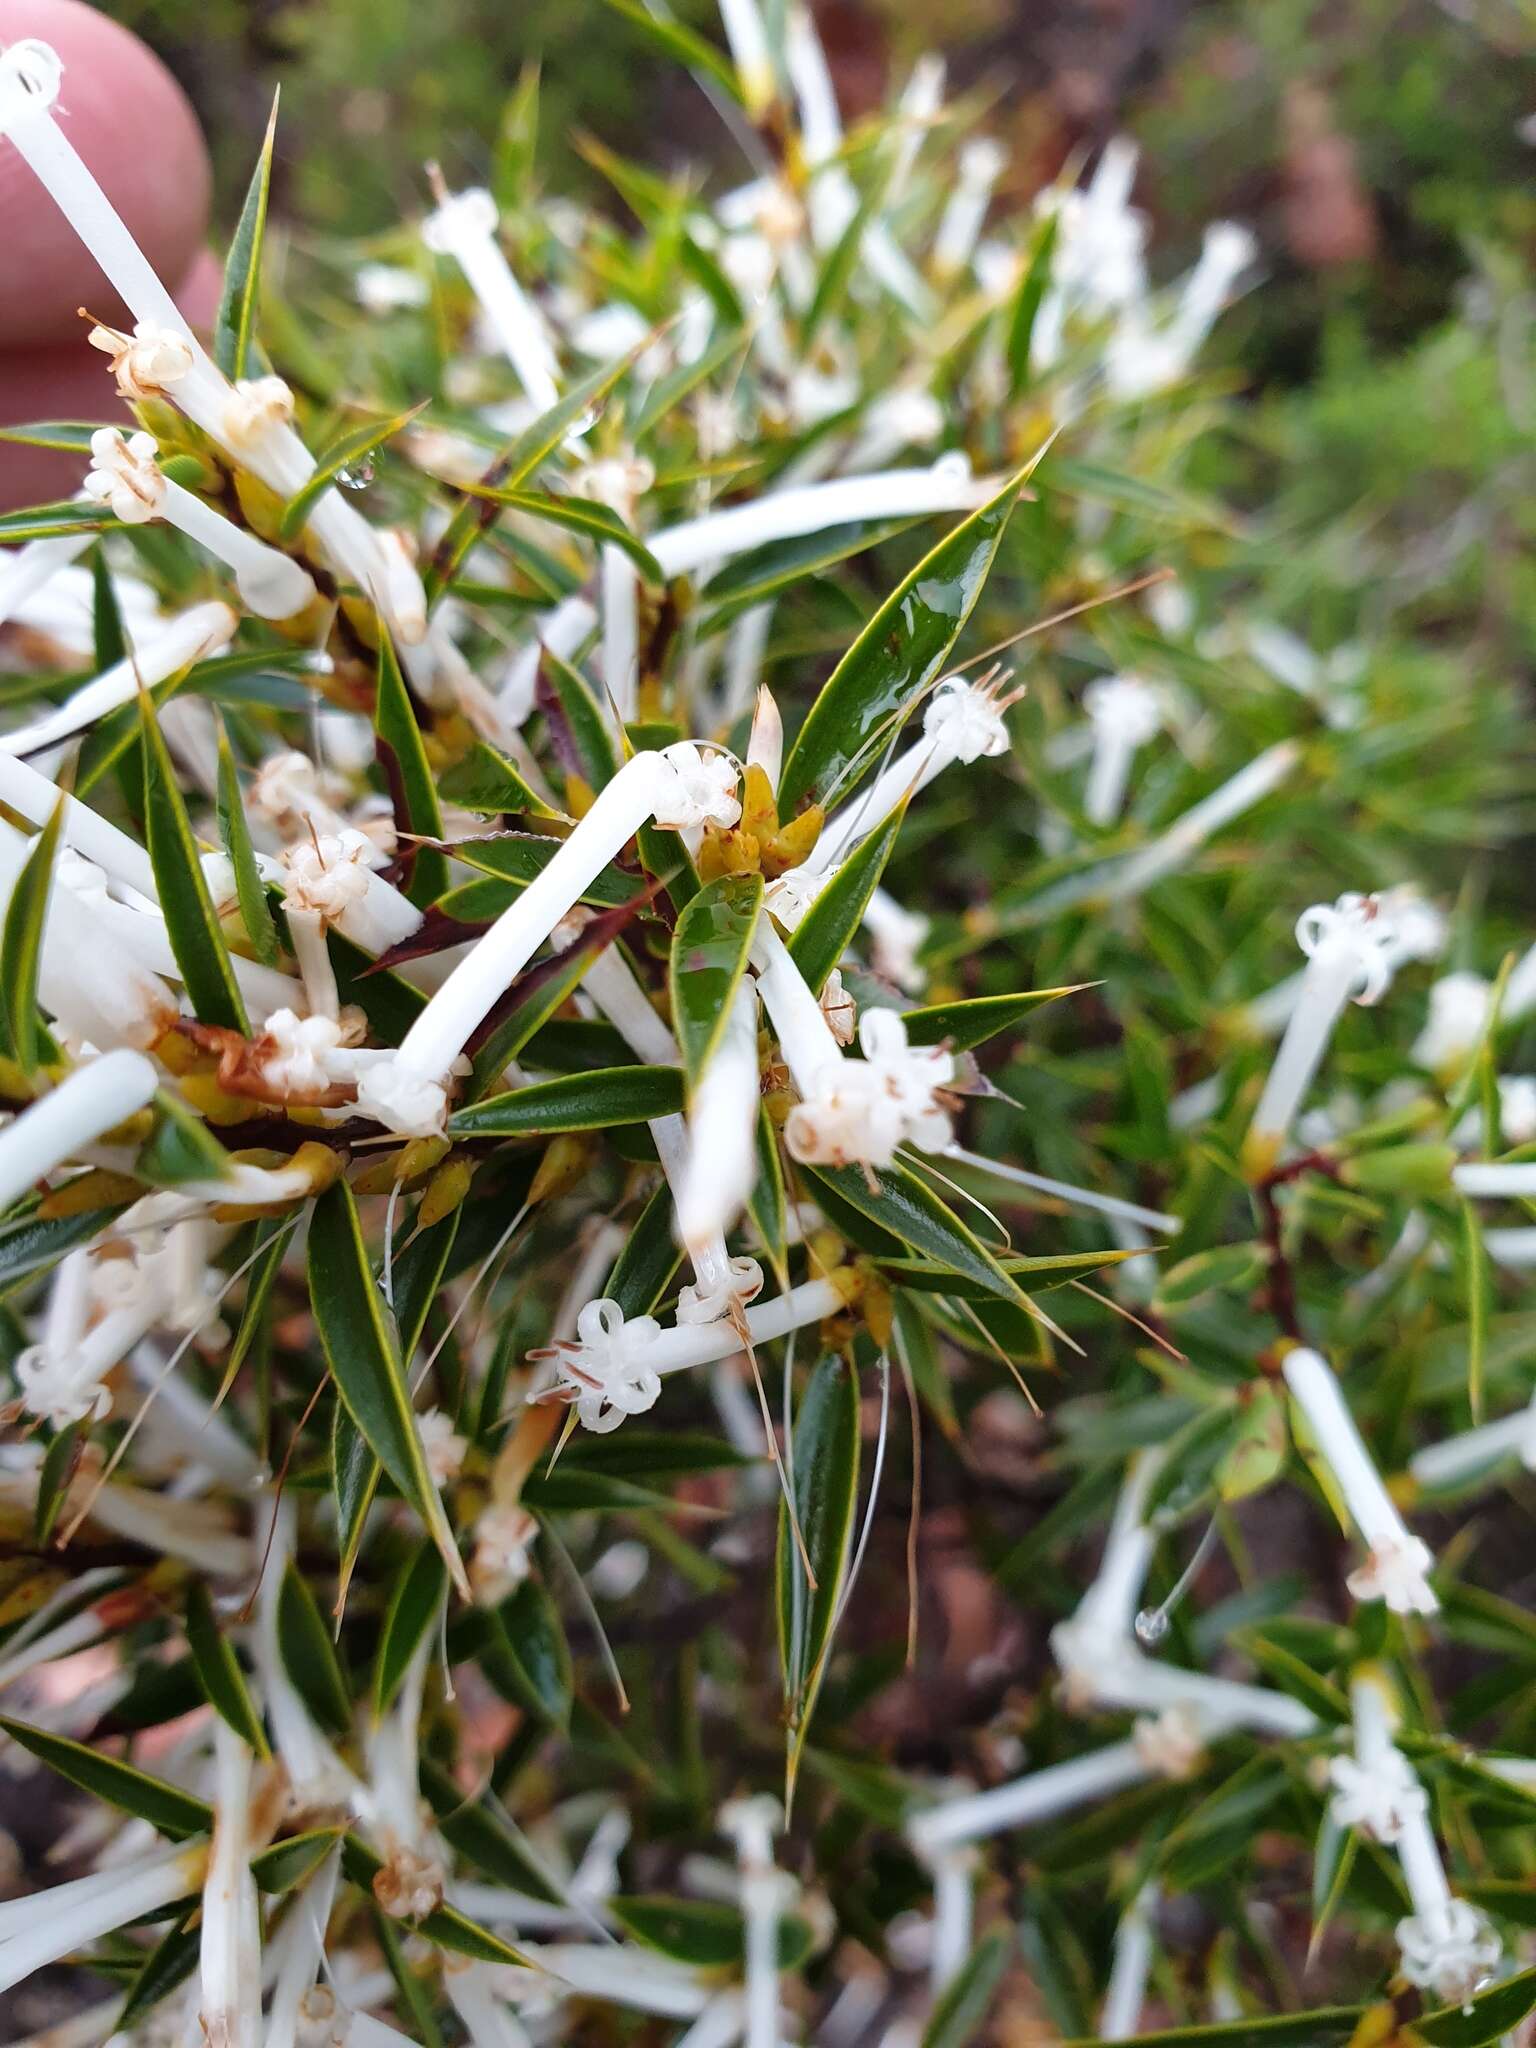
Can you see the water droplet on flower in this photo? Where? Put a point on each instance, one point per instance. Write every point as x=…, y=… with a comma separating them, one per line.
x=1151, y=1626
x=587, y=421
x=356, y=477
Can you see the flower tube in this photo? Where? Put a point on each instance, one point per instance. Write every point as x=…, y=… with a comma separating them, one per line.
x=318, y=1780
x=24, y=572
x=1398, y=1566
x=1125, y=713
x=1120, y=2019
x=748, y=37
x=764, y=1888
x=229, y=1952
x=194, y=634
x=1042, y=1795
x=615, y=1365
x=163, y=358
x=1345, y=963
x=301, y=1949
x=46, y=1926
x=980, y=166
x=1477, y=1451
x=33, y=797
x=721, y=1162
x=125, y=476
x=562, y=631
x=1447, y=1945
x=103, y=1092
x=464, y=227
x=810, y=508
x=679, y=788
x=1496, y=1178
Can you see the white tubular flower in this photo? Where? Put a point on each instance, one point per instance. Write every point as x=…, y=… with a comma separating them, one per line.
x=1171, y=1743
x=503, y=1537
x=721, y=1161
x=27, y=570
x=331, y=876
x=678, y=788
x=299, y=1951
x=1447, y=1945
x=125, y=477
x=614, y=1367
x=810, y=508
x=254, y=408
x=443, y=1445
x=163, y=357
x=981, y=165
x=46, y=1926
x=1476, y=1452
x=389, y=288
x=1375, y=1790
x=764, y=1888
x=858, y=1112
x=1346, y=962
x=192, y=636
x=745, y=32
x=1227, y=250
x=1125, y=714
x=1496, y=1179
x=290, y=791
x=1458, y=1011
x=896, y=938
x=894, y=421
x=229, y=1960
x=1120, y=2019
x=464, y=227
x=789, y=896
x=1042, y=1795
x=963, y=722
x=318, y=1781
x=93, y=1098
x=1398, y=1564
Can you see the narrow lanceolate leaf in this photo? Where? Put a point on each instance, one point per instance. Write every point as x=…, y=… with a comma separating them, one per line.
x=517, y=462
x=1026, y=303
x=445, y=1925
x=348, y=451
x=898, y=654
x=588, y=726
x=235, y=834
x=1329, y=2026
x=109, y=643
x=362, y=1350
x=578, y=1102
x=752, y=579
x=709, y=957
x=963, y=2005
x=179, y=1148
x=767, y=1204
x=823, y=935
x=416, y=788
x=586, y=516
x=52, y=522
x=908, y=1209
x=286, y=1864
x=683, y=45
x=259, y=1282
x=309, y=1655
x=485, y=780
x=355, y=1474
x=825, y=1486
x=190, y=918
x=413, y=1607
x=484, y=1836
x=973, y=1021
x=644, y=1269
x=218, y=1669
x=21, y=944
x=531, y=1659
x=706, y=1934
x=168, y=1809
x=234, y=325
x=73, y=437
x=169, y=1963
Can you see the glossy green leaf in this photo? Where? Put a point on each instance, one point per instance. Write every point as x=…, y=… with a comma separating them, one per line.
x=644, y=1269
x=768, y=1204
x=277, y=1235
x=235, y=833
x=484, y=780
x=180, y=1147
x=169, y=1963
x=355, y=1475
x=709, y=957
x=234, y=326
x=907, y=1208
x=587, y=720
x=167, y=1809
x=586, y=516
x=218, y=1669
x=362, y=1351
x=480, y=1832
x=581, y=1102
x=413, y=1607
x=1329, y=2026
x=72, y=437
x=57, y=1470
x=531, y=1654
x=517, y=462
x=971, y=1022
x=826, y=931
x=963, y=2005
x=21, y=944
x=754, y=578
x=1227, y=1268
x=286, y=1864
x=191, y=920
x=683, y=45
x=52, y=522
x=351, y=450
x=824, y=1487
x=898, y=654
x=520, y=858
x=309, y=1655
x=109, y=641
x=705, y=1934
x=29, y=1243
x=416, y=788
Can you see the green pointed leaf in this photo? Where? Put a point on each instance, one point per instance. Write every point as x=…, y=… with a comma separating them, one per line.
x=521, y=857
x=895, y=658
x=683, y=45
x=531, y=1656
x=963, y=2004
x=21, y=944
x=706, y=1934
x=29, y=1243
x=517, y=463
x=972, y=1022
x=169, y=1963
x=484, y=780
x=167, y=1809
x=180, y=1147
x=309, y=1655
x=395, y=722
x=586, y=516
x=355, y=1475
x=650, y=1257
x=767, y=1204
x=218, y=1669
x=235, y=833
x=752, y=579
x=907, y=1208
x=72, y=437
x=1033, y=286
x=445, y=1925
x=234, y=326
x=54, y=1476
x=259, y=1282
x=709, y=957
x=825, y=1487
x=590, y=723
x=190, y=918
x=362, y=1350
x=52, y=522
x=287, y=1864
x=484, y=1836
x=842, y=259
x=413, y=1606
x=1330, y=2026
x=826, y=931
x=347, y=451
x=1492, y=2016
x=109, y=642
x=580, y=1102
